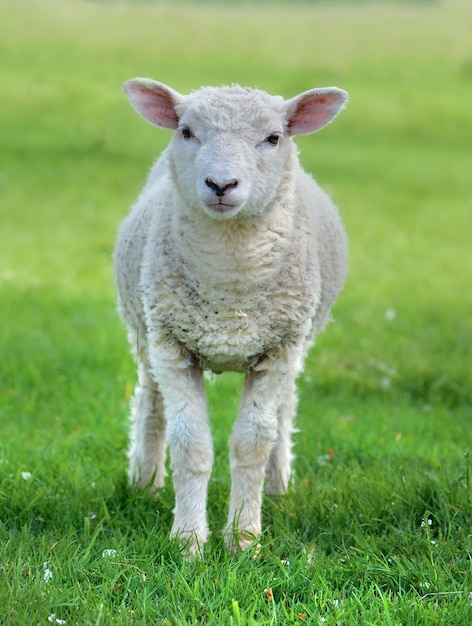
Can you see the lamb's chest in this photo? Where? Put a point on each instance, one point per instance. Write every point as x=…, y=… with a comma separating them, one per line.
x=228, y=332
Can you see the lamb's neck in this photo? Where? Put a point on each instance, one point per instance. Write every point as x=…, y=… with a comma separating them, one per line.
x=232, y=253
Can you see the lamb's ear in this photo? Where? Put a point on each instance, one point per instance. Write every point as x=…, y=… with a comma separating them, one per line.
x=154, y=101
x=313, y=109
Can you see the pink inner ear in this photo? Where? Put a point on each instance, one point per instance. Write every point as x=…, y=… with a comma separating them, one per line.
x=313, y=111
x=154, y=104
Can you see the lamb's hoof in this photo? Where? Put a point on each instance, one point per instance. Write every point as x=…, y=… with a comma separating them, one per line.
x=240, y=541
x=191, y=544
x=145, y=482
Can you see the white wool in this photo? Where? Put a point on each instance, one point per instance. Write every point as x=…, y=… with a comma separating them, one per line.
x=230, y=260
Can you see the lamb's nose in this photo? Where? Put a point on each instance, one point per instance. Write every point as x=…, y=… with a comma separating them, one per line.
x=220, y=190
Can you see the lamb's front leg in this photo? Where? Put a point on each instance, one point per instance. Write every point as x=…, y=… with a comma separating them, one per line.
x=252, y=441
x=189, y=437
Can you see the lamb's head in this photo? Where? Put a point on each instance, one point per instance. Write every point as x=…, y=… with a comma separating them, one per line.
x=232, y=148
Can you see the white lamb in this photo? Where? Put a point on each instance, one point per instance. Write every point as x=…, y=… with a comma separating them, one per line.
x=230, y=260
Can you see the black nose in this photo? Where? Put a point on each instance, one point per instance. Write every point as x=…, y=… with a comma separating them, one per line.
x=221, y=190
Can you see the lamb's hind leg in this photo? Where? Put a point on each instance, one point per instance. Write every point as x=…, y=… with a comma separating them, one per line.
x=278, y=470
x=147, y=449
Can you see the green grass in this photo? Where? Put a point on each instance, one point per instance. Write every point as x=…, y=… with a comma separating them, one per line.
x=377, y=526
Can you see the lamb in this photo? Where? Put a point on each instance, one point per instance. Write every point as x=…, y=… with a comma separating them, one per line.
x=230, y=260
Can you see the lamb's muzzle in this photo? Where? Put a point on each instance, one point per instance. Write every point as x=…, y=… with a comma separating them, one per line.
x=220, y=189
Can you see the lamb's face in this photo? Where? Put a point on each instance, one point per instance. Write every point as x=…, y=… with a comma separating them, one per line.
x=229, y=151
x=232, y=146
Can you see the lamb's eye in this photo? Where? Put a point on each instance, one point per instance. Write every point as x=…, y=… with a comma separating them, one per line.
x=273, y=139
x=186, y=132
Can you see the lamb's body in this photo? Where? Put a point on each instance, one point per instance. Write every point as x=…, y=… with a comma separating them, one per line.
x=202, y=290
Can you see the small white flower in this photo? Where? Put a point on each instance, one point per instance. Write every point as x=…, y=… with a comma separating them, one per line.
x=285, y=562
x=108, y=553
x=53, y=619
x=425, y=585
x=390, y=314
x=47, y=576
x=26, y=475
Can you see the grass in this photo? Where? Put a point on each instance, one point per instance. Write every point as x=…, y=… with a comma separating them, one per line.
x=377, y=526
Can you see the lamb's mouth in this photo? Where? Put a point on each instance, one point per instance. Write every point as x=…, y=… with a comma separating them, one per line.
x=222, y=208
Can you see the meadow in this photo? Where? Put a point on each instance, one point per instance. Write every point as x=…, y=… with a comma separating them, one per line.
x=376, y=529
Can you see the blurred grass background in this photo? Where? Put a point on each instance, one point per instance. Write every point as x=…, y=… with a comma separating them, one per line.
x=385, y=409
